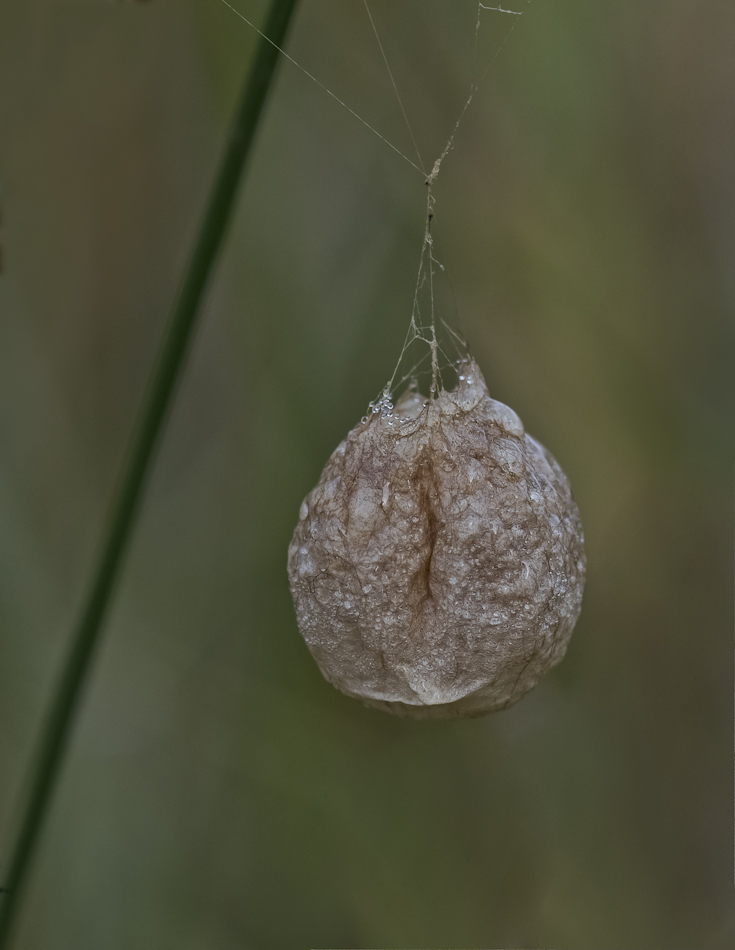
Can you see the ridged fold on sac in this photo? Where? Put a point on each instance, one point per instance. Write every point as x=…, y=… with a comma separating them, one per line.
x=438, y=566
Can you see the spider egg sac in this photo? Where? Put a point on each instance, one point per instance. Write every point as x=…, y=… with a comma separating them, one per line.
x=437, y=568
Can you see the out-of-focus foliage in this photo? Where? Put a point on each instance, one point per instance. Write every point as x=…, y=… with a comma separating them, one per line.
x=219, y=793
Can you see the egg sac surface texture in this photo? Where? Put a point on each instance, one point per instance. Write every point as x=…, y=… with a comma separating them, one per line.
x=438, y=566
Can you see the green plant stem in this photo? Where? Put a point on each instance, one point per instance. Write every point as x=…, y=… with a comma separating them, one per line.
x=56, y=731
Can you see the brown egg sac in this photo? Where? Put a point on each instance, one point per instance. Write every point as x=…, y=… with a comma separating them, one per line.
x=438, y=566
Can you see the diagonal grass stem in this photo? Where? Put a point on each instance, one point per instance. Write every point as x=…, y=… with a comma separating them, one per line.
x=57, y=728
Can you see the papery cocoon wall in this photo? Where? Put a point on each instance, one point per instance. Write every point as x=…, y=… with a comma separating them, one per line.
x=437, y=568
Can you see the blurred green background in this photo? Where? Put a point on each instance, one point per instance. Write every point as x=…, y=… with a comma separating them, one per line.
x=219, y=793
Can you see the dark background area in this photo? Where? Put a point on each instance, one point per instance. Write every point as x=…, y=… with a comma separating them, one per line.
x=219, y=793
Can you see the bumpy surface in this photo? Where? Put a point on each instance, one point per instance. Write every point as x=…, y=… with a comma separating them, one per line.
x=438, y=566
